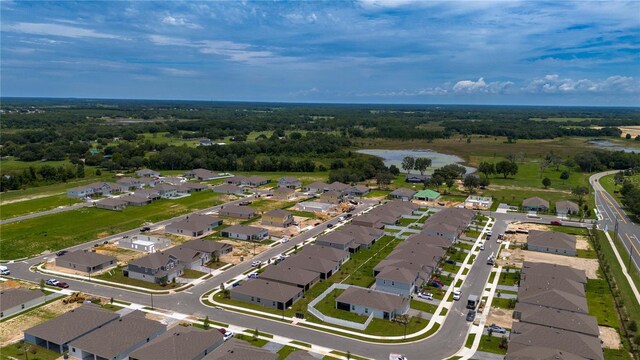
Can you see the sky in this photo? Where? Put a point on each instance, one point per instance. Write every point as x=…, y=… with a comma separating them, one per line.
x=368, y=51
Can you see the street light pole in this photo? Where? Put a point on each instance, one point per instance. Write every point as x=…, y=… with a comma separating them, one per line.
x=151, y=301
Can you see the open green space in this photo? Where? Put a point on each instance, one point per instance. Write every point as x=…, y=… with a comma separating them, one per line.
x=491, y=344
x=58, y=231
x=509, y=278
x=36, y=205
x=112, y=307
x=251, y=340
x=33, y=352
x=327, y=306
x=192, y=274
x=503, y=303
x=616, y=354
x=600, y=302
x=285, y=351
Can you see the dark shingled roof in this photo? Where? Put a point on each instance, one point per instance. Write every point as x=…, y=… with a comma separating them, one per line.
x=372, y=299
x=525, y=335
x=15, y=296
x=265, y=289
x=180, y=343
x=235, y=349
x=86, y=258
x=555, y=318
x=287, y=274
x=552, y=239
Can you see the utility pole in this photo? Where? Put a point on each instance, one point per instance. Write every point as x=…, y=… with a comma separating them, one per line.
x=151, y=301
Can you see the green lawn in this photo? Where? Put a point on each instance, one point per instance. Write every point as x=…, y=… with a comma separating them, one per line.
x=600, y=302
x=285, y=351
x=57, y=231
x=470, y=339
x=491, y=344
x=35, y=352
x=503, y=303
x=616, y=354
x=407, y=221
x=112, y=307
x=116, y=275
x=327, y=306
x=35, y=205
x=192, y=274
x=251, y=340
x=508, y=278
x=423, y=306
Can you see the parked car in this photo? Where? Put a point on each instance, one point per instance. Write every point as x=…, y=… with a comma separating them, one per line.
x=471, y=315
x=425, y=295
x=435, y=285
x=237, y=283
x=456, y=293
x=449, y=261
x=556, y=222
x=227, y=335
x=497, y=329
x=145, y=229
x=61, y=252
x=253, y=276
x=284, y=240
x=348, y=215
x=63, y=285
x=489, y=233
x=481, y=246
x=329, y=225
x=256, y=263
x=52, y=282
x=500, y=236
x=5, y=271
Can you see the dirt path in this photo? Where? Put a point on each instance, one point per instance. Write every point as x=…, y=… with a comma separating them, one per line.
x=610, y=337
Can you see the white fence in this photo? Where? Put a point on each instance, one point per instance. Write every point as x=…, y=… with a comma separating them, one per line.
x=328, y=319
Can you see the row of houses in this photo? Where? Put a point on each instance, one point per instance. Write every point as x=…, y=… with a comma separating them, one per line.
x=341, y=188
x=141, y=197
x=563, y=207
x=551, y=242
x=552, y=314
x=388, y=214
x=279, y=286
x=90, y=332
x=249, y=181
x=15, y=300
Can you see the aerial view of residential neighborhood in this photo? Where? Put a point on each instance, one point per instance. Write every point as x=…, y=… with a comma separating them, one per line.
x=316, y=180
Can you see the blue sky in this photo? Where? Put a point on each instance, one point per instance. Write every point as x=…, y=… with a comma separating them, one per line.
x=373, y=51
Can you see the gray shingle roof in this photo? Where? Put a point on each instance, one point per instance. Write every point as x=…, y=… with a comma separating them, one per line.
x=112, y=202
x=245, y=229
x=86, y=258
x=336, y=237
x=277, y=213
x=552, y=239
x=372, y=299
x=72, y=324
x=179, y=343
x=525, y=335
x=535, y=202
x=235, y=210
x=404, y=192
x=288, y=274
x=546, y=270
x=397, y=274
x=555, y=318
x=207, y=246
x=15, y=296
x=195, y=222
x=311, y=263
x=324, y=252
x=266, y=289
x=235, y=349
x=567, y=205
x=116, y=337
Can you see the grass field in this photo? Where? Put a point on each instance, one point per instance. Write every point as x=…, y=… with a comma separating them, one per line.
x=423, y=306
x=600, y=302
x=327, y=306
x=17, y=351
x=57, y=231
x=491, y=344
x=35, y=205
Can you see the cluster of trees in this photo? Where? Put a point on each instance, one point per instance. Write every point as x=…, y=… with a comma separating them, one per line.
x=504, y=167
x=410, y=163
x=603, y=160
x=360, y=169
x=45, y=174
x=631, y=197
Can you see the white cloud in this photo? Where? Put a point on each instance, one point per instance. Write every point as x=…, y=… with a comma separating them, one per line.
x=179, y=21
x=554, y=84
x=482, y=87
x=177, y=72
x=57, y=30
x=387, y=3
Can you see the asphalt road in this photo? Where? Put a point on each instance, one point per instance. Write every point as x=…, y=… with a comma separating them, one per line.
x=611, y=214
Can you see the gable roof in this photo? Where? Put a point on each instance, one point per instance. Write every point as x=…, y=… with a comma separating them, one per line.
x=206, y=246
x=428, y=240
x=311, y=263
x=228, y=188
x=403, y=192
x=524, y=335
x=16, y=296
x=237, y=210
x=552, y=239
x=279, y=213
x=288, y=274
x=336, y=237
x=235, y=349
x=195, y=222
x=245, y=229
x=181, y=342
x=372, y=299
x=556, y=318
x=116, y=337
x=325, y=252
x=427, y=193
x=86, y=258
x=535, y=202
x=549, y=271
x=397, y=274
x=152, y=261
x=184, y=254
x=72, y=324
x=112, y=202
x=567, y=205
x=266, y=289
x=317, y=185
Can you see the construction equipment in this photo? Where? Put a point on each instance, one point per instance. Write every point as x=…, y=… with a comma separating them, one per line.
x=75, y=297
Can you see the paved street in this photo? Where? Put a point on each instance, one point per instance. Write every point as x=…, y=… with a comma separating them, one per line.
x=611, y=214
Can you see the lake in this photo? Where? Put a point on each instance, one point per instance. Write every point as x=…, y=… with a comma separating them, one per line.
x=610, y=145
x=394, y=157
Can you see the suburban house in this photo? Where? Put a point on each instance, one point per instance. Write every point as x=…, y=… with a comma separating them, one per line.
x=189, y=187
x=130, y=183
x=283, y=193
x=166, y=191
x=368, y=220
x=363, y=236
x=402, y=194
x=188, y=257
x=234, y=349
x=315, y=187
x=132, y=200
x=158, y=267
x=417, y=178
x=535, y=204
x=271, y=294
x=556, y=293
x=147, y=173
x=426, y=195
x=201, y=174
x=150, y=194
x=366, y=302
x=324, y=267
x=447, y=231
x=545, y=340
x=357, y=190
x=289, y=182
x=57, y=333
x=240, y=212
x=327, y=253
x=86, y=261
x=338, y=186
x=392, y=211
x=397, y=280
x=144, y=243
x=542, y=270
x=556, y=318
x=236, y=180
x=478, y=202
x=228, y=189
x=566, y=207
x=205, y=142
x=173, y=180
x=209, y=247
x=180, y=343
x=285, y=274
x=338, y=240
x=427, y=240
x=116, y=339
x=277, y=217
x=114, y=204
x=245, y=232
x=255, y=181
x=15, y=300
x=97, y=188
x=331, y=197
x=193, y=225
x=551, y=242
x=315, y=206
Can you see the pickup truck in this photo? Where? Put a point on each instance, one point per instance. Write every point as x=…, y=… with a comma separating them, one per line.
x=397, y=357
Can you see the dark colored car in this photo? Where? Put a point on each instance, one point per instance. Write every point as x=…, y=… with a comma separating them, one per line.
x=556, y=222
x=329, y=225
x=145, y=228
x=449, y=261
x=63, y=285
x=61, y=252
x=497, y=329
x=471, y=315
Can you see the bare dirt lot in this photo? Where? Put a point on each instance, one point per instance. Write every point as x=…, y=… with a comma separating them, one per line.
x=500, y=317
x=243, y=249
x=610, y=337
x=633, y=130
x=11, y=330
x=515, y=257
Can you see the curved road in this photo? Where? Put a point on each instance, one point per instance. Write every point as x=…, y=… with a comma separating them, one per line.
x=611, y=213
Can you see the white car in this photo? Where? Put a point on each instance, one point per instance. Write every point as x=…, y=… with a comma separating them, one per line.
x=481, y=246
x=52, y=282
x=256, y=263
x=227, y=335
x=489, y=233
x=456, y=293
x=283, y=256
x=426, y=296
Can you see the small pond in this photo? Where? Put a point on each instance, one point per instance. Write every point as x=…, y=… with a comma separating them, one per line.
x=610, y=145
x=394, y=157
